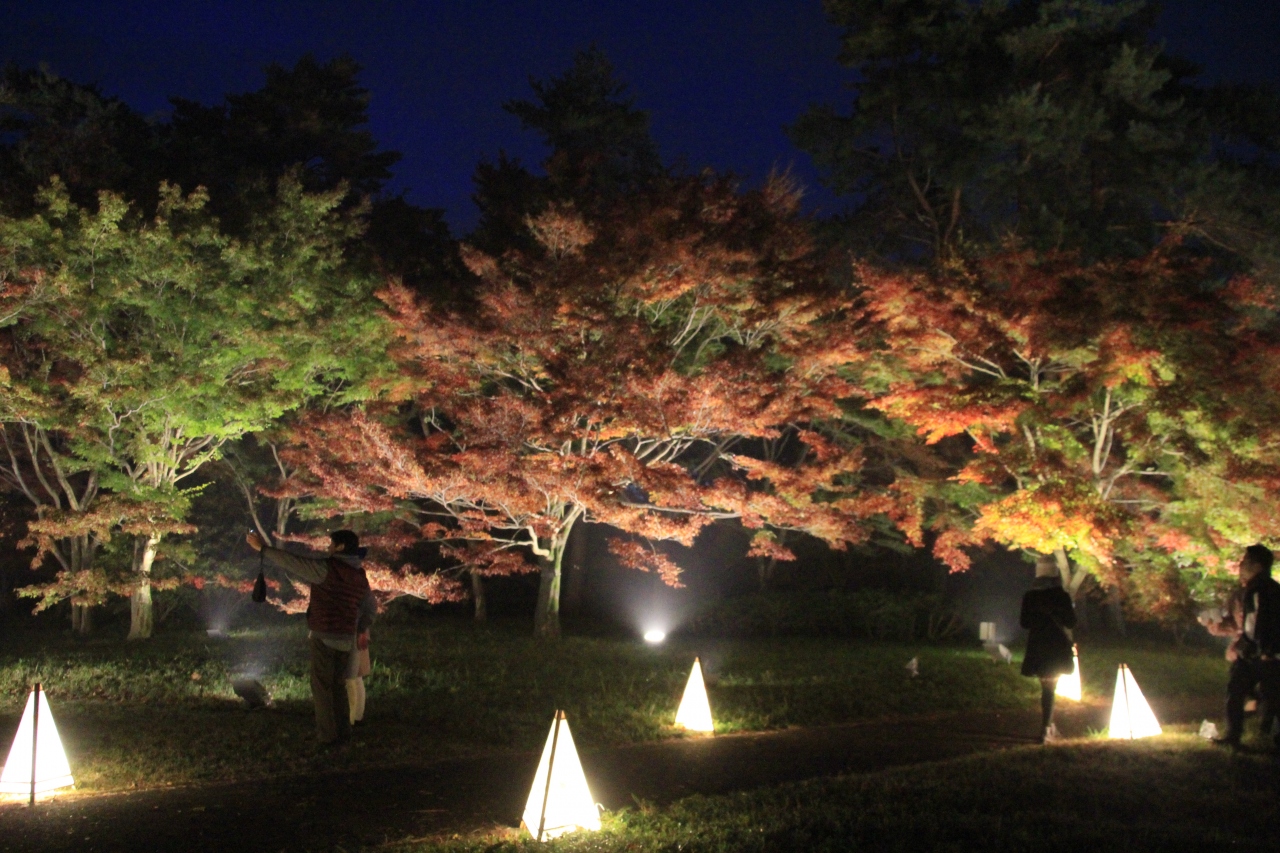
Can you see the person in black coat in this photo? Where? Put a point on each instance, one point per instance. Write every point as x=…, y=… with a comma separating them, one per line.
x=1048, y=615
x=1253, y=623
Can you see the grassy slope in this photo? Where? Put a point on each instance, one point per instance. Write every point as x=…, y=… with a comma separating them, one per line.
x=163, y=712
x=1171, y=793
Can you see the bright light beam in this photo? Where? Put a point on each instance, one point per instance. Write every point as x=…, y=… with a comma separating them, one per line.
x=654, y=636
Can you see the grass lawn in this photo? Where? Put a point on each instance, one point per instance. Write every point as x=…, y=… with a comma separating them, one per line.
x=1169, y=793
x=162, y=712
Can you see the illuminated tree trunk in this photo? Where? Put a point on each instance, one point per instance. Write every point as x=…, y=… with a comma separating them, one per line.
x=80, y=550
x=477, y=594
x=141, y=612
x=1072, y=576
x=546, y=620
x=81, y=619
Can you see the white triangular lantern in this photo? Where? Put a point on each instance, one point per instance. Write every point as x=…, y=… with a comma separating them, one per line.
x=37, y=762
x=559, y=800
x=694, y=713
x=1131, y=716
x=1069, y=685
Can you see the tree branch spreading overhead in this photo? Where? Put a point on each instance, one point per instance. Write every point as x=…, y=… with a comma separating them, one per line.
x=632, y=371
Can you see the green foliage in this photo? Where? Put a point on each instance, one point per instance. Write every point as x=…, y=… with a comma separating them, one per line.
x=52, y=127
x=1060, y=123
x=143, y=346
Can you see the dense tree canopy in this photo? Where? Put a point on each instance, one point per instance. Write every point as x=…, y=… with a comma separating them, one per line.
x=1059, y=122
x=600, y=150
x=134, y=349
x=655, y=370
x=1057, y=333
x=1119, y=413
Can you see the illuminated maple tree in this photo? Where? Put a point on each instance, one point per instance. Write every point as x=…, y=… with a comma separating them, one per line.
x=1118, y=413
x=633, y=370
x=135, y=349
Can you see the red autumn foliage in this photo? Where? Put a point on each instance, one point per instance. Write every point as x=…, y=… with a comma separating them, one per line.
x=654, y=370
x=1113, y=411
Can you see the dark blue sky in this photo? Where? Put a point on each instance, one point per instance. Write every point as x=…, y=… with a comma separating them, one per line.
x=719, y=79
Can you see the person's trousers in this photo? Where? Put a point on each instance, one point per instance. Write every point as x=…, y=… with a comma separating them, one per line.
x=1246, y=674
x=329, y=690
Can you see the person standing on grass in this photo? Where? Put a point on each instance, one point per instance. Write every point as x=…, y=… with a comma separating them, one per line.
x=1252, y=621
x=339, y=594
x=1048, y=615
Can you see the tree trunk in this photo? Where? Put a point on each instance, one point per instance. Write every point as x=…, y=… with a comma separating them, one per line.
x=1115, y=608
x=575, y=572
x=477, y=595
x=141, y=613
x=81, y=619
x=1072, y=577
x=546, y=619
x=80, y=553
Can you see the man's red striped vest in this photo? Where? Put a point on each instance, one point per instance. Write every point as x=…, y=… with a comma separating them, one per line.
x=335, y=601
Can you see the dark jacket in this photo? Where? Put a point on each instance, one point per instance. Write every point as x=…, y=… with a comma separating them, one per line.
x=1259, y=618
x=1047, y=614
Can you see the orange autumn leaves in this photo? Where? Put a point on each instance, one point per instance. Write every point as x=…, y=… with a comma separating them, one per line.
x=685, y=360
x=656, y=371
x=1096, y=400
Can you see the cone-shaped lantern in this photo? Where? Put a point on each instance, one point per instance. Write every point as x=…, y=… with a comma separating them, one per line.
x=559, y=800
x=1131, y=716
x=694, y=713
x=36, y=761
x=1069, y=685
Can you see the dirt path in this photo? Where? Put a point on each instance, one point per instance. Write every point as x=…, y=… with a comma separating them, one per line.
x=353, y=809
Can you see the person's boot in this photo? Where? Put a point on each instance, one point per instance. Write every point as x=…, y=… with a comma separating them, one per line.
x=1227, y=741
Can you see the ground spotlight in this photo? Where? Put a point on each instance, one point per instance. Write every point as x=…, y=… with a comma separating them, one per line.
x=654, y=636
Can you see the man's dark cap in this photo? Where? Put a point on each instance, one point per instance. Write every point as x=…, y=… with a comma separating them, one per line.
x=346, y=540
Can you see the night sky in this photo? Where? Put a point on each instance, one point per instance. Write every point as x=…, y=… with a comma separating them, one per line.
x=720, y=80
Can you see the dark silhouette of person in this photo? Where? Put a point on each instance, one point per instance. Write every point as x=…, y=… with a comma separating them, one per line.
x=1252, y=620
x=1048, y=615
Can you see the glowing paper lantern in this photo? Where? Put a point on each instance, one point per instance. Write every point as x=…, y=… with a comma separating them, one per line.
x=1131, y=716
x=1069, y=685
x=559, y=800
x=695, y=711
x=987, y=632
x=36, y=761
